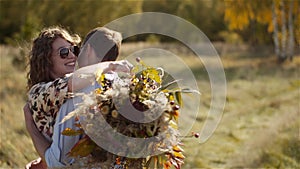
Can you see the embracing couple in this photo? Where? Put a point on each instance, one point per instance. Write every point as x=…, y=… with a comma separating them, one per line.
x=53, y=75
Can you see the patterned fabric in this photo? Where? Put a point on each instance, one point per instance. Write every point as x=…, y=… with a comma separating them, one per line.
x=45, y=100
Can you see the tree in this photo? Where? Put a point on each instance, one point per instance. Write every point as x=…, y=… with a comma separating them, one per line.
x=197, y=12
x=280, y=16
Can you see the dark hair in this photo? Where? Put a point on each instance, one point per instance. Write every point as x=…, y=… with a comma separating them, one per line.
x=105, y=42
x=40, y=54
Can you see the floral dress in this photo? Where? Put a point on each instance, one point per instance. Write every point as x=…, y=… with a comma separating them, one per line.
x=45, y=100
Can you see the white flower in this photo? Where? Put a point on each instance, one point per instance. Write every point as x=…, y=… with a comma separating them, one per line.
x=149, y=103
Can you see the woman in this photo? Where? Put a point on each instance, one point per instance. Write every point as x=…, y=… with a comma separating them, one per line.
x=54, y=52
x=53, y=55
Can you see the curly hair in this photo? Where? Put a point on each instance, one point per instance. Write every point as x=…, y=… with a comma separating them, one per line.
x=39, y=57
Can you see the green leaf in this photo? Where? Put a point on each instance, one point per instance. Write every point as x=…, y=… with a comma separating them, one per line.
x=187, y=90
x=173, y=124
x=178, y=98
x=82, y=148
x=169, y=84
x=135, y=69
x=71, y=132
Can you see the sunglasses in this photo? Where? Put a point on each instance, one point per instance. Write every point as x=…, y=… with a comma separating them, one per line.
x=64, y=52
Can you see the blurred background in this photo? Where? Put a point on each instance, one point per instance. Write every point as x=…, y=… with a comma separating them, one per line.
x=257, y=41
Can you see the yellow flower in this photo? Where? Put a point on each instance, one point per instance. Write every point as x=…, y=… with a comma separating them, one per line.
x=98, y=91
x=99, y=75
x=114, y=113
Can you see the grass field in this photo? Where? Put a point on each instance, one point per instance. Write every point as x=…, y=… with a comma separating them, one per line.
x=260, y=123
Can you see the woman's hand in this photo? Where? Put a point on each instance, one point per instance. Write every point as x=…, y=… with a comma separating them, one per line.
x=118, y=66
x=36, y=164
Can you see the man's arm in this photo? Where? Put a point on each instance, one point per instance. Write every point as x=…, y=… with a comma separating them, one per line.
x=40, y=143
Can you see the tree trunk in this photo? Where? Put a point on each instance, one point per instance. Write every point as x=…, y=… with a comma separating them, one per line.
x=283, y=55
x=291, y=42
x=275, y=32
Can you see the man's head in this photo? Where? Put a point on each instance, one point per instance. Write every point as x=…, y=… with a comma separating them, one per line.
x=100, y=44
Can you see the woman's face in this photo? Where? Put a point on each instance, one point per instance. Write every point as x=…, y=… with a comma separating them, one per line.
x=62, y=64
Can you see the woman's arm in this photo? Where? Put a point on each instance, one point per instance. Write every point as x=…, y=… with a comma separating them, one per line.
x=39, y=141
x=56, y=92
x=85, y=76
